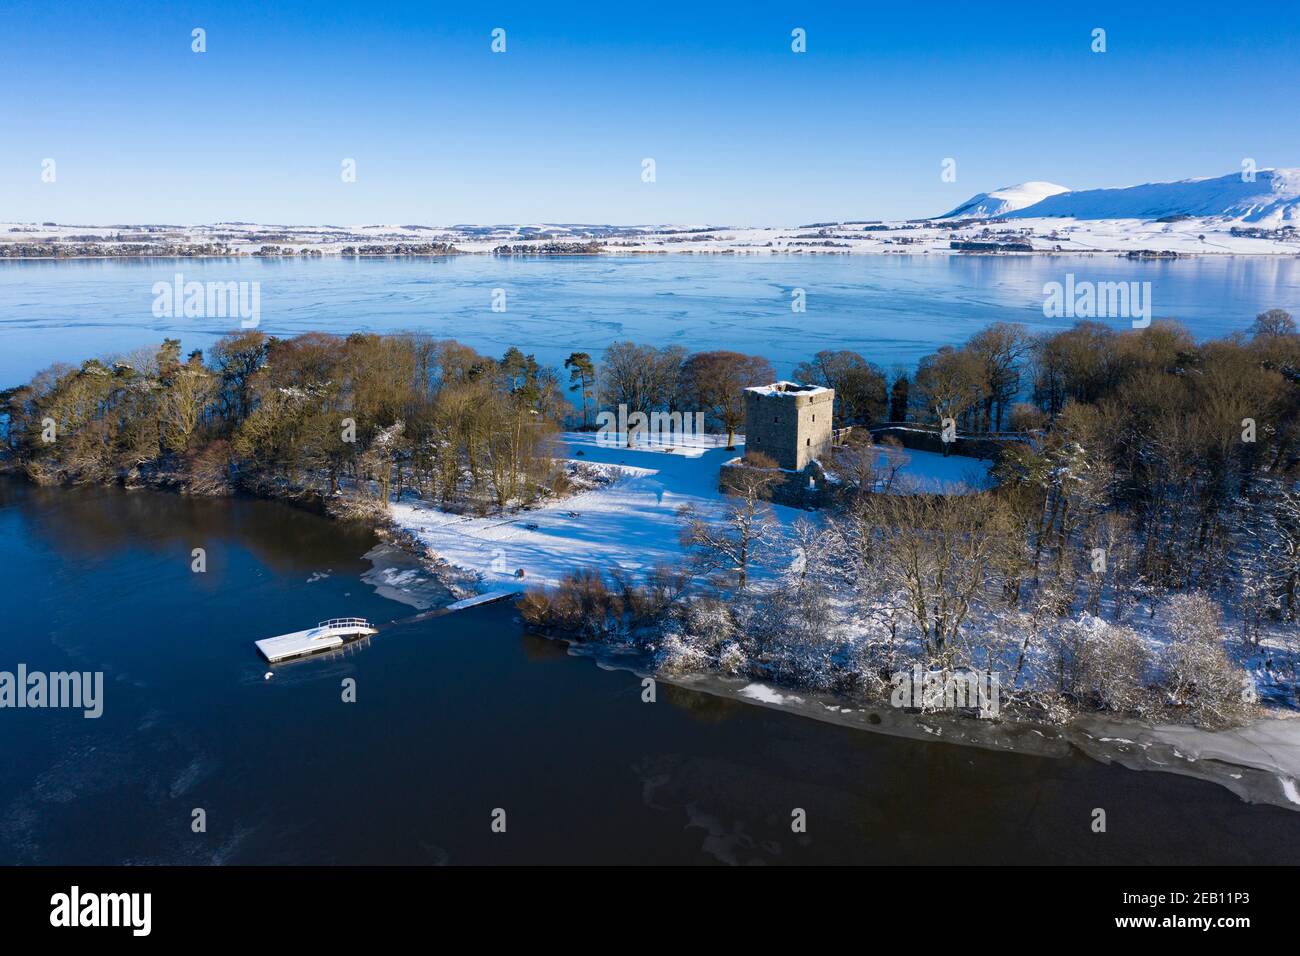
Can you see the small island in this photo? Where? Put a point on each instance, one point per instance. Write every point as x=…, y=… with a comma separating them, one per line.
x=1023, y=527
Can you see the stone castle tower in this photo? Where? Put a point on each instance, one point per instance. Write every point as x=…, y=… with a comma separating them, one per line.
x=788, y=422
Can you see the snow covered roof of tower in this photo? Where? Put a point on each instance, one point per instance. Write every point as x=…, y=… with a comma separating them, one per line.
x=785, y=388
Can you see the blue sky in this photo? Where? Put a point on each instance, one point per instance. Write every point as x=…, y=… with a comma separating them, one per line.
x=742, y=130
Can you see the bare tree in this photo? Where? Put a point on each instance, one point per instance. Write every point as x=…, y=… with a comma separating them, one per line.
x=860, y=388
x=715, y=382
x=183, y=404
x=937, y=551
x=867, y=468
x=948, y=384
x=1273, y=322
x=728, y=543
x=1000, y=347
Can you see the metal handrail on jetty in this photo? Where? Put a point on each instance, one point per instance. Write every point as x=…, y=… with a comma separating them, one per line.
x=344, y=622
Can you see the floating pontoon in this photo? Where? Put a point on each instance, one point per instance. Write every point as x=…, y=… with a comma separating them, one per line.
x=325, y=636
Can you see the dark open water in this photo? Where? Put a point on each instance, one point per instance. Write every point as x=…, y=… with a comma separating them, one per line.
x=463, y=714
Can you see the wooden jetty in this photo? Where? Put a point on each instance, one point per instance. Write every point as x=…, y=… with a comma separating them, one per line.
x=479, y=599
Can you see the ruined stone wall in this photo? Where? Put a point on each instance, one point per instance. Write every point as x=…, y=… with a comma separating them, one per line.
x=806, y=489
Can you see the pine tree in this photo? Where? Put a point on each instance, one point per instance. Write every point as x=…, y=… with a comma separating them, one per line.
x=582, y=375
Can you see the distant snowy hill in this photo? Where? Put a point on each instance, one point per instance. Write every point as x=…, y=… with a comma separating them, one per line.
x=1004, y=200
x=1272, y=198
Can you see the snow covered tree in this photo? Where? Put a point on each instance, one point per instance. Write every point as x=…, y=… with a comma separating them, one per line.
x=1111, y=667
x=1201, y=681
x=938, y=551
x=727, y=544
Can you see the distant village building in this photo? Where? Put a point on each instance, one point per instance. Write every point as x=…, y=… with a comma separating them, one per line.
x=789, y=423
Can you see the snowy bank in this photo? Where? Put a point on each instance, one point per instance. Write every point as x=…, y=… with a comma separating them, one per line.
x=931, y=473
x=631, y=523
x=1259, y=762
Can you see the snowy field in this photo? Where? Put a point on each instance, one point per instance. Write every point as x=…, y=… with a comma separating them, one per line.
x=1190, y=216
x=632, y=523
x=931, y=473
x=1205, y=236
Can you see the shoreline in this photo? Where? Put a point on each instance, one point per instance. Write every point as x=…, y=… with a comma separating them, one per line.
x=1259, y=761
x=722, y=252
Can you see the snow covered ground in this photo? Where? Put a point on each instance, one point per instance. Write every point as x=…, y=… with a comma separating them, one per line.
x=1113, y=236
x=631, y=523
x=1266, y=197
x=1050, y=218
x=930, y=472
x=998, y=202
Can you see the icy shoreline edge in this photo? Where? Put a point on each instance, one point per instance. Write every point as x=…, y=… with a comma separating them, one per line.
x=1259, y=762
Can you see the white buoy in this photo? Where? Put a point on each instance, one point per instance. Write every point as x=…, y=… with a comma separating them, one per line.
x=268, y=676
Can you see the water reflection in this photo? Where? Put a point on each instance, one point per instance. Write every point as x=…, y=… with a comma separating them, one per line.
x=96, y=522
x=458, y=714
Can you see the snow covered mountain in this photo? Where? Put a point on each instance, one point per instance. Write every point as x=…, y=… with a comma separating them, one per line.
x=1271, y=198
x=1004, y=200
